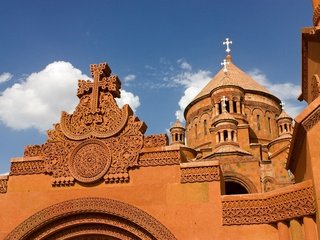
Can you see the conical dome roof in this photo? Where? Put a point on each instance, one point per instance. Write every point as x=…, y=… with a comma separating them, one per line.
x=233, y=77
x=284, y=115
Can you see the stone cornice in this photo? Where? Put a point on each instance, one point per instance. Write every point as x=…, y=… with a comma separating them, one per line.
x=27, y=166
x=282, y=204
x=193, y=172
x=3, y=183
x=159, y=158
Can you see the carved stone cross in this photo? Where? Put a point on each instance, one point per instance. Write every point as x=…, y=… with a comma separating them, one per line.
x=223, y=100
x=227, y=42
x=225, y=63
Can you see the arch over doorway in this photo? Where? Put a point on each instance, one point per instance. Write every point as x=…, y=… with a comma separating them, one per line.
x=91, y=218
x=236, y=180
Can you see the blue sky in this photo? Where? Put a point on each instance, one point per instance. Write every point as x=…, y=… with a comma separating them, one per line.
x=162, y=51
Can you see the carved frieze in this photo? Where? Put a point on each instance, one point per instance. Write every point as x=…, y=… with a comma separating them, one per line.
x=315, y=87
x=200, y=174
x=75, y=215
x=159, y=158
x=159, y=140
x=312, y=120
x=269, y=207
x=3, y=184
x=27, y=167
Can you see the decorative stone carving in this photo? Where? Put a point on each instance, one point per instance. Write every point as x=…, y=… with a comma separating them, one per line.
x=79, y=212
x=27, y=167
x=161, y=158
x=316, y=15
x=97, y=141
x=160, y=140
x=90, y=161
x=269, y=207
x=3, y=184
x=315, y=86
x=33, y=151
x=97, y=114
x=312, y=120
x=200, y=174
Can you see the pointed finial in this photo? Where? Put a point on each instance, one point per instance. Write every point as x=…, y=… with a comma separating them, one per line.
x=224, y=64
x=227, y=42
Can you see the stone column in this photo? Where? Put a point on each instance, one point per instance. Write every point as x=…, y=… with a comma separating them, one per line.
x=283, y=231
x=238, y=107
x=296, y=230
x=235, y=136
x=217, y=137
x=310, y=228
x=217, y=108
x=242, y=109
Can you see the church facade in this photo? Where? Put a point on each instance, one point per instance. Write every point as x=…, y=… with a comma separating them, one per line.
x=238, y=169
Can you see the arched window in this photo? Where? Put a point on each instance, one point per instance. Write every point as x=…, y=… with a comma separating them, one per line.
x=258, y=122
x=225, y=135
x=269, y=124
x=235, y=106
x=232, y=188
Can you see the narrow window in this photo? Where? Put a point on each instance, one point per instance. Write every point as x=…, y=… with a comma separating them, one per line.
x=258, y=122
x=269, y=124
x=286, y=128
x=196, y=131
x=220, y=108
x=176, y=136
x=227, y=106
x=235, y=107
x=225, y=135
x=205, y=127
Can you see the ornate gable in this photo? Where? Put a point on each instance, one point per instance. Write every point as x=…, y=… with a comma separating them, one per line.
x=97, y=141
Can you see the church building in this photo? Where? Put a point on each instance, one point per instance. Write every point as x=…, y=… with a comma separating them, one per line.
x=238, y=168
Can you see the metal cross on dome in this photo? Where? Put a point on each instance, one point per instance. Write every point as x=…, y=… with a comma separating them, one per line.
x=224, y=64
x=227, y=42
x=282, y=105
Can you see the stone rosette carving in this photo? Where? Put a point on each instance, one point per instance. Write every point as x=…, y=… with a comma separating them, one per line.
x=269, y=207
x=90, y=161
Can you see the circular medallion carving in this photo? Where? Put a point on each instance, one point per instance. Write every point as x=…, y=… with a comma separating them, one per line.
x=90, y=161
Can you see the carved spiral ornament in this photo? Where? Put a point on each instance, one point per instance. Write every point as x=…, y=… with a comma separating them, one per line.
x=90, y=161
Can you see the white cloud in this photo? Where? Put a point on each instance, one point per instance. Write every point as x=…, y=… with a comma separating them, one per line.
x=193, y=82
x=286, y=92
x=129, y=78
x=37, y=101
x=128, y=98
x=4, y=77
x=184, y=64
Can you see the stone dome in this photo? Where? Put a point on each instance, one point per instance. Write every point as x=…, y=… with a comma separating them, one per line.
x=234, y=77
